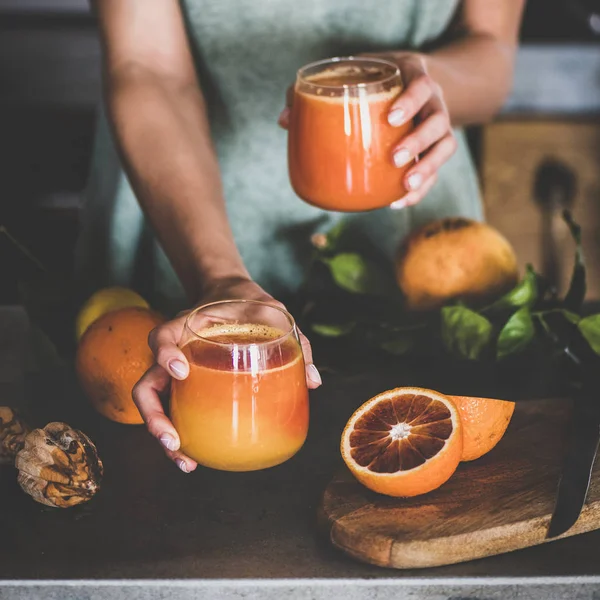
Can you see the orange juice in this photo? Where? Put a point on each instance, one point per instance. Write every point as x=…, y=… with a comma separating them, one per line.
x=244, y=405
x=340, y=144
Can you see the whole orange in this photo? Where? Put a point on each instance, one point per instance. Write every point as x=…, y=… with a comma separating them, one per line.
x=455, y=259
x=112, y=356
x=105, y=300
x=484, y=422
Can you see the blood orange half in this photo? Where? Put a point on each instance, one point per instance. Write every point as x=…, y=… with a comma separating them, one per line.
x=403, y=442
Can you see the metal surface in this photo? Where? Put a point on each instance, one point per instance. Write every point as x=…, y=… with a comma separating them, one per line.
x=585, y=424
x=577, y=468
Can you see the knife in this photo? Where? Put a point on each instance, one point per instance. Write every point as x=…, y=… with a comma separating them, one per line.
x=582, y=446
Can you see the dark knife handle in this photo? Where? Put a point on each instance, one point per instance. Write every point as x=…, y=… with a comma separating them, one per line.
x=574, y=348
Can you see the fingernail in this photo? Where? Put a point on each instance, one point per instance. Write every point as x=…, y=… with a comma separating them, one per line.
x=178, y=369
x=182, y=465
x=396, y=117
x=398, y=204
x=414, y=181
x=169, y=442
x=402, y=157
x=313, y=374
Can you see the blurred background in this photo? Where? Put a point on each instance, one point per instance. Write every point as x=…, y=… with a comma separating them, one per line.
x=541, y=154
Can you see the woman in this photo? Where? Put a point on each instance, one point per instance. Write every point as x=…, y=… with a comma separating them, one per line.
x=193, y=91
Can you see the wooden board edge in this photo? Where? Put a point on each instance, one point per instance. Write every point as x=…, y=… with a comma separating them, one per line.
x=327, y=523
x=382, y=551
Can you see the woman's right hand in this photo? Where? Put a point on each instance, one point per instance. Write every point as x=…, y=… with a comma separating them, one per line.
x=171, y=363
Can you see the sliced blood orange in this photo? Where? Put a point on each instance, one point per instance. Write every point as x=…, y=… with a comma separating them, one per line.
x=404, y=442
x=484, y=422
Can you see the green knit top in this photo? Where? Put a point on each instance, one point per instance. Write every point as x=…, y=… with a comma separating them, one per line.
x=247, y=53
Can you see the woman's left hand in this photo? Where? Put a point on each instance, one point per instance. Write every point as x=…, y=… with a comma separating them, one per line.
x=432, y=141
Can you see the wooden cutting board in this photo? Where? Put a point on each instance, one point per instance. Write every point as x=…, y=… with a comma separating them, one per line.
x=499, y=503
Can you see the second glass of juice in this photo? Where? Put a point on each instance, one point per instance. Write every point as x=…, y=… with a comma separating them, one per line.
x=244, y=405
x=340, y=143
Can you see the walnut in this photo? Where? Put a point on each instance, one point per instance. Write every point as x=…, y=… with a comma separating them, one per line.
x=12, y=434
x=59, y=466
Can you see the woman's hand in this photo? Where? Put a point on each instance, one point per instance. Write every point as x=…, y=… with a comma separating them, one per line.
x=171, y=362
x=432, y=142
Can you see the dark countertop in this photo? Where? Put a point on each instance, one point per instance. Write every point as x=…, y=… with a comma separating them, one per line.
x=153, y=532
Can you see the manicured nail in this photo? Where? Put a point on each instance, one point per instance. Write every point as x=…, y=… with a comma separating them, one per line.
x=181, y=464
x=169, y=442
x=399, y=204
x=396, y=117
x=414, y=181
x=178, y=369
x=402, y=157
x=313, y=374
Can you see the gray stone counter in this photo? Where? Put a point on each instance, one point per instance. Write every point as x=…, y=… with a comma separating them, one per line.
x=575, y=588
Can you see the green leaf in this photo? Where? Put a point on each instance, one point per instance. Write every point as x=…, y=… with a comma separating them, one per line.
x=465, y=332
x=590, y=329
x=356, y=274
x=400, y=346
x=578, y=287
x=571, y=316
x=525, y=293
x=332, y=330
x=517, y=334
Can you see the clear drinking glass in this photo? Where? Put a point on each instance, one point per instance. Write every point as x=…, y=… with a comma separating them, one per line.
x=244, y=405
x=340, y=143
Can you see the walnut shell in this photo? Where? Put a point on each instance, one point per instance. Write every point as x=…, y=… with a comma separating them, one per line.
x=12, y=434
x=59, y=466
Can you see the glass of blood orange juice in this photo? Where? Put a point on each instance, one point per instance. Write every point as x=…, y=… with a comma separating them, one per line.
x=340, y=143
x=244, y=405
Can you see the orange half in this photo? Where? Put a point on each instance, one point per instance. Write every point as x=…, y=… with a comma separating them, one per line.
x=484, y=422
x=403, y=442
